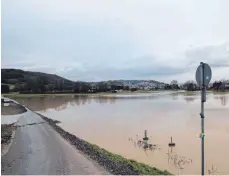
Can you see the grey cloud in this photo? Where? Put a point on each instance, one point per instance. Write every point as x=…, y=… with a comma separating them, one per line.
x=219, y=65
x=138, y=71
x=83, y=43
x=214, y=55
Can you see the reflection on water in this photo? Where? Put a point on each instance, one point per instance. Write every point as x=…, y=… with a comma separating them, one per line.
x=117, y=123
x=223, y=99
x=213, y=170
x=61, y=102
x=177, y=161
x=189, y=99
x=175, y=96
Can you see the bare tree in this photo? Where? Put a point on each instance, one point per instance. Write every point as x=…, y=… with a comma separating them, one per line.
x=190, y=85
x=174, y=84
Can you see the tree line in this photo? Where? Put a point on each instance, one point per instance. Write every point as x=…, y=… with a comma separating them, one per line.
x=190, y=85
x=42, y=85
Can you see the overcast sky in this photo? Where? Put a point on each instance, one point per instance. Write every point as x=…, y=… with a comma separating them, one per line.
x=92, y=40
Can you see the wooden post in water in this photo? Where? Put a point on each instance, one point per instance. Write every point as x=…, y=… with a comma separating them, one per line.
x=171, y=144
x=145, y=139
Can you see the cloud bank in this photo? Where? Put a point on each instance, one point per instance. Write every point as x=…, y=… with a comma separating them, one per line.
x=104, y=40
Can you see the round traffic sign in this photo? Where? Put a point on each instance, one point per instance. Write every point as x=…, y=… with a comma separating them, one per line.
x=203, y=74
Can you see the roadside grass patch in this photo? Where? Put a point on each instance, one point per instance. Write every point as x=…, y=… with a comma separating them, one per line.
x=113, y=163
x=220, y=92
x=144, y=169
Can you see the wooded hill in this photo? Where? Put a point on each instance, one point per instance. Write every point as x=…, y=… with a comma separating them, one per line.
x=15, y=80
x=20, y=80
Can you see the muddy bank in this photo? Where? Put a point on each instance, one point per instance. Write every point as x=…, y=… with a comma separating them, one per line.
x=11, y=108
x=113, y=163
x=6, y=133
x=8, y=127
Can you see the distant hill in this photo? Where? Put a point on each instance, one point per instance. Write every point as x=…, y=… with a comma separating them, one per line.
x=20, y=80
x=16, y=76
x=142, y=81
x=138, y=81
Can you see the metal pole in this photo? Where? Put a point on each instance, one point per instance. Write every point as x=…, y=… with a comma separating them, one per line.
x=203, y=99
x=202, y=138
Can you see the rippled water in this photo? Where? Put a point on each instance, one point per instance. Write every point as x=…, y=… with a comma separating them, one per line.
x=117, y=123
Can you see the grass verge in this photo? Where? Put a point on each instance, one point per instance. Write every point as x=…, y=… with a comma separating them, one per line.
x=190, y=92
x=208, y=91
x=220, y=92
x=114, y=163
x=142, y=168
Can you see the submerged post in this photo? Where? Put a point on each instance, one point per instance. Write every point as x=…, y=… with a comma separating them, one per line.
x=203, y=77
x=145, y=139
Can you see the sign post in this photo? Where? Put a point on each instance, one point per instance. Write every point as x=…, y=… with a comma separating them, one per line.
x=203, y=78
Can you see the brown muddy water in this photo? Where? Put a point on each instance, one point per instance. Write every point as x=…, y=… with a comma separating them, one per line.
x=117, y=122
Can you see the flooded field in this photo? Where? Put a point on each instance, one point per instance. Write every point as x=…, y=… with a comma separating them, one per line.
x=117, y=123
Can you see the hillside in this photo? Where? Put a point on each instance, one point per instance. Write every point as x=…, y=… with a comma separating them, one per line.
x=16, y=77
x=28, y=81
x=13, y=76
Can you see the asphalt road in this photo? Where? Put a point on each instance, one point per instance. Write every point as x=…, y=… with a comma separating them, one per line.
x=39, y=150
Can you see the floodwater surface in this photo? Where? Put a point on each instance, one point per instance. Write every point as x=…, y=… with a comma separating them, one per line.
x=117, y=123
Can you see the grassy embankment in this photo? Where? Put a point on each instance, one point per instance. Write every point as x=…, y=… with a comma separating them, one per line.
x=190, y=92
x=220, y=92
x=114, y=163
x=142, y=168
